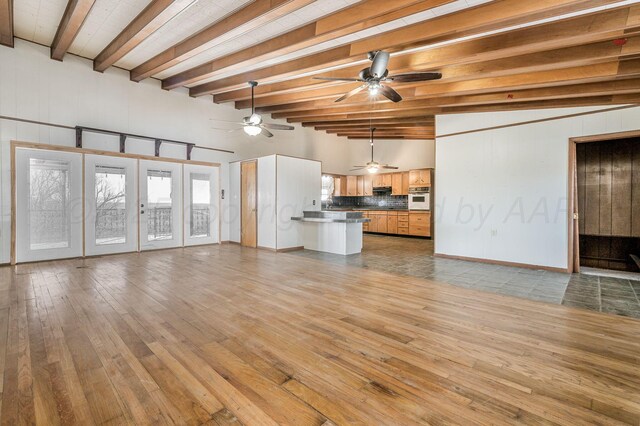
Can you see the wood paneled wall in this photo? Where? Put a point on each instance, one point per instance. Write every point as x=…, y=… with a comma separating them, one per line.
x=608, y=201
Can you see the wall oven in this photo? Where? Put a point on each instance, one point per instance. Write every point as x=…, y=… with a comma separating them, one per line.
x=419, y=198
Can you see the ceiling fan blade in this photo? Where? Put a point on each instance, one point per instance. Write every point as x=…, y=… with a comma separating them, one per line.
x=336, y=79
x=390, y=167
x=379, y=65
x=266, y=133
x=390, y=94
x=358, y=168
x=277, y=126
x=415, y=77
x=351, y=93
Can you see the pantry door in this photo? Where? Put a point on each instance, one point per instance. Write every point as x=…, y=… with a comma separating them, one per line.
x=201, y=205
x=160, y=205
x=48, y=215
x=111, y=204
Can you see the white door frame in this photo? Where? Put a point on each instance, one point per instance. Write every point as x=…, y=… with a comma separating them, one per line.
x=214, y=206
x=22, y=171
x=130, y=166
x=176, y=239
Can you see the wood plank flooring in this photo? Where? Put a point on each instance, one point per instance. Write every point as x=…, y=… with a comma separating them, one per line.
x=229, y=335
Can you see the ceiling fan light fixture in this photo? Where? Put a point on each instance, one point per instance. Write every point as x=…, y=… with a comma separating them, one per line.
x=255, y=119
x=374, y=89
x=252, y=130
x=373, y=168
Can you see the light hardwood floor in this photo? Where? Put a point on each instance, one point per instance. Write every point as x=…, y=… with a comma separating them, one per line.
x=225, y=334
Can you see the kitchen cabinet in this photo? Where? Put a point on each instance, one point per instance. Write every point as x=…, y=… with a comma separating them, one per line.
x=336, y=186
x=405, y=183
x=392, y=222
x=420, y=224
x=343, y=186
x=360, y=186
x=403, y=223
x=420, y=177
x=396, y=184
x=352, y=186
x=368, y=185
x=381, y=223
x=382, y=180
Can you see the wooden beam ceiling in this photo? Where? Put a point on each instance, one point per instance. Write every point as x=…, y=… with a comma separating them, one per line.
x=592, y=28
x=250, y=17
x=6, y=23
x=475, y=20
x=154, y=16
x=69, y=27
x=360, y=16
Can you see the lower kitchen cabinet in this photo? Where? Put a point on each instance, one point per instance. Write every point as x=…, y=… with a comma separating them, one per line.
x=398, y=223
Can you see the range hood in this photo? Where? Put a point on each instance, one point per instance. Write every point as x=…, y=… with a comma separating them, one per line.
x=382, y=190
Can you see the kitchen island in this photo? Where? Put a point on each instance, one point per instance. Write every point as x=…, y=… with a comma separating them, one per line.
x=337, y=232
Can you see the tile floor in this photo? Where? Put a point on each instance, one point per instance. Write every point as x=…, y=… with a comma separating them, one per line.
x=406, y=256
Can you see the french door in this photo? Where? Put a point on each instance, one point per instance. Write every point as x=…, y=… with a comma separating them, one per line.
x=48, y=205
x=160, y=204
x=201, y=205
x=111, y=200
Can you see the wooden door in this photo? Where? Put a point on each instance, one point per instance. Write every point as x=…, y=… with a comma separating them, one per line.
x=352, y=186
x=360, y=186
x=405, y=183
x=396, y=184
x=368, y=185
x=249, y=204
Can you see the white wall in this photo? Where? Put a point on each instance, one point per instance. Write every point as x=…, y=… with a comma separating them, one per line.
x=267, y=195
x=34, y=87
x=502, y=194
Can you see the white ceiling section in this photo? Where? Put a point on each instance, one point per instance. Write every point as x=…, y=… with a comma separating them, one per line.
x=197, y=17
x=37, y=20
x=105, y=21
x=293, y=20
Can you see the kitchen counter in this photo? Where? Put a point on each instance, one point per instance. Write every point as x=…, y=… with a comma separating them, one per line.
x=332, y=231
x=366, y=209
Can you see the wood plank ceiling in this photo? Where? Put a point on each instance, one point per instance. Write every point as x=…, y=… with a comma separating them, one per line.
x=495, y=55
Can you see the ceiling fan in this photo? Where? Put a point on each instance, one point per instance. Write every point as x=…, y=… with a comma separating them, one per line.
x=373, y=166
x=253, y=125
x=377, y=73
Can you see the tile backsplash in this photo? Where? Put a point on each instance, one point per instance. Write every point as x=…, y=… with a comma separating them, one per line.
x=383, y=201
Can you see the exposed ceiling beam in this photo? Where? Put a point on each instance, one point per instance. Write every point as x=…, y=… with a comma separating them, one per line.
x=489, y=16
x=615, y=87
x=418, y=118
x=382, y=130
x=250, y=17
x=69, y=27
x=591, y=28
x=541, y=61
x=154, y=16
x=387, y=138
x=566, y=76
x=6, y=23
x=349, y=126
x=363, y=15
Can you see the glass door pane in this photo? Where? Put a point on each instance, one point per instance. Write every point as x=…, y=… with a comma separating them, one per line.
x=160, y=204
x=201, y=205
x=49, y=205
x=111, y=205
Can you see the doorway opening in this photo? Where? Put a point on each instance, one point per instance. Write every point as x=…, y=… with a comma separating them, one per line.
x=606, y=205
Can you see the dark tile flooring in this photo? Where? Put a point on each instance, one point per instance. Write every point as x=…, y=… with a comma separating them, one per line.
x=414, y=257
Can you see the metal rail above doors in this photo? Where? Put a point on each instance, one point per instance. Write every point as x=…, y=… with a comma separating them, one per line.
x=158, y=141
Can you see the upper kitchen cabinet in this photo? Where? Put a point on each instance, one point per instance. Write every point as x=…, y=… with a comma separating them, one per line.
x=360, y=186
x=382, y=180
x=420, y=177
x=368, y=185
x=396, y=184
x=352, y=186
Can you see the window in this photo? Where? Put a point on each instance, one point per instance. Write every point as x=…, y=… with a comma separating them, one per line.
x=327, y=187
x=49, y=210
x=200, y=224
x=111, y=211
x=160, y=208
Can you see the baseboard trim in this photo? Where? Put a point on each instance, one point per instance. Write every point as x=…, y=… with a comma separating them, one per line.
x=286, y=250
x=266, y=249
x=502, y=263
